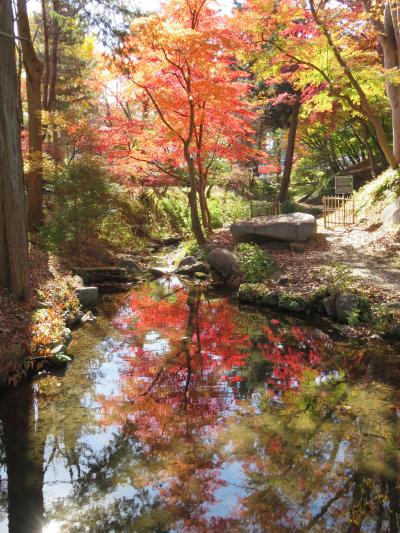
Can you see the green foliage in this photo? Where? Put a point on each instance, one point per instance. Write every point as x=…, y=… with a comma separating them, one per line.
x=381, y=318
x=255, y=264
x=227, y=207
x=82, y=197
x=174, y=209
x=338, y=277
x=86, y=204
x=309, y=180
x=191, y=247
x=291, y=206
x=359, y=314
x=263, y=190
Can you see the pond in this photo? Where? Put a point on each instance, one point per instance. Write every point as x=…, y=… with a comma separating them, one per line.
x=182, y=412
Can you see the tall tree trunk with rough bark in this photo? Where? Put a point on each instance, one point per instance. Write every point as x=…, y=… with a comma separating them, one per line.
x=287, y=169
x=205, y=211
x=13, y=231
x=192, y=196
x=34, y=70
x=387, y=28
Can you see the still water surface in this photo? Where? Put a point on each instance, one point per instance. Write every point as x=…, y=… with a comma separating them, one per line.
x=183, y=413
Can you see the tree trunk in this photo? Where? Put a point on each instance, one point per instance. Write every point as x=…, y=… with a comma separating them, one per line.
x=19, y=84
x=205, y=212
x=390, y=45
x=13, y=232
x=387, y=29
x=194, y=214
x=287, y=169
x=389, y=38
x=192, y=195
x=46, y=77
x=383, y=142
x=34, y=70
x=55, y=36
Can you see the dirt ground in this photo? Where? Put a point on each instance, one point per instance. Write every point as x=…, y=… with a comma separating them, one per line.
x=372, y=253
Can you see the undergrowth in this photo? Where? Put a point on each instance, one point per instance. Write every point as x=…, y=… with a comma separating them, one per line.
x=254, y=262
x=376, y=195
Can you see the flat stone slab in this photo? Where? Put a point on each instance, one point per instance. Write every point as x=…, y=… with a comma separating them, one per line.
x=291, y=227
x=99, y=274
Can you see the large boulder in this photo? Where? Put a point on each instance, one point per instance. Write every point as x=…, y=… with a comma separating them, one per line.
x=187, y=261
x=88, y=296
x=159, y=271
x=224, y=262
x=192, y=269
x=292, y=227
x=391, y=215
x=394, y=332
x=346, y=304
x=131, y=266
x=329, y=305
x=78, y=281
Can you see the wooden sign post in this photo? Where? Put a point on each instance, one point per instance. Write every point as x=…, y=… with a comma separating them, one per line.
x=343, y=185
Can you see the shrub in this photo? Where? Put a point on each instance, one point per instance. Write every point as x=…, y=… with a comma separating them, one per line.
x=227, y=207
x=255, y=264
x=81, y=200
x=361, y=313
x=190, y=247
x=338, y=277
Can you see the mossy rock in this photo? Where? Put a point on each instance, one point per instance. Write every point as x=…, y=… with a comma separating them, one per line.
x=393, y=332
x=251, y=293
x=270, y=299
x=292, y=302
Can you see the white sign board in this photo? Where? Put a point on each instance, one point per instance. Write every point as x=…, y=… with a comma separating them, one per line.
x=343, y=184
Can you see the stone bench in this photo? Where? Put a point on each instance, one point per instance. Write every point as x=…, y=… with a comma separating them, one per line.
x=291, y=227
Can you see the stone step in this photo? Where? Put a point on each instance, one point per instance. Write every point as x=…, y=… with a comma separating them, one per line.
x=102, y=274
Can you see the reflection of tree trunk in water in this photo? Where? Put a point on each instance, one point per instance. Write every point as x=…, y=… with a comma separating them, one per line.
x=360, y=500
x=394, y=505
x=193, y=302
x=325, y=508
x=332, y=462
x=24, y=455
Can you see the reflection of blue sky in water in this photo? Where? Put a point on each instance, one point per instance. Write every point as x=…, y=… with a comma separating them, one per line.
x=153, y=342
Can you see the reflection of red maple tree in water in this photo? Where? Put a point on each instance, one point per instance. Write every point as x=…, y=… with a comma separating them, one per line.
x=186, y=355
x=173, y=396
x=179, y=383
x=177, y=388
x=292, y=352
x=182, y=346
